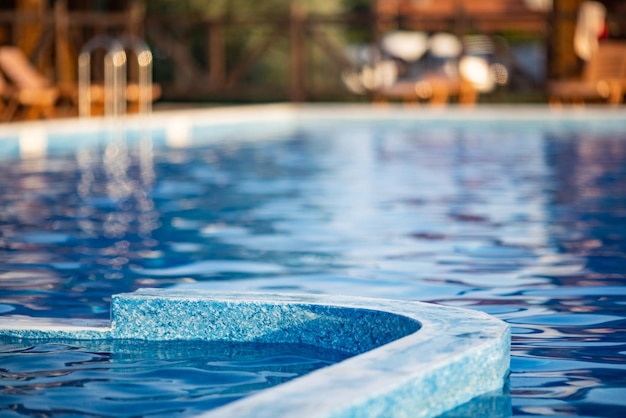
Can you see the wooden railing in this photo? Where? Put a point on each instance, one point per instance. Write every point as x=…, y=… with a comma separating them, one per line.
x=224, y=58
x=310, y=45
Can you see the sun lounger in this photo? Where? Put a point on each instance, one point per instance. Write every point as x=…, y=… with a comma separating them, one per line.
x=436, y=90
x=603, y=78
x=28, y=89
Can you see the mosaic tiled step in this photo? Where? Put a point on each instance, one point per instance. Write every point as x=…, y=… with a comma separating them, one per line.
x=410, y=358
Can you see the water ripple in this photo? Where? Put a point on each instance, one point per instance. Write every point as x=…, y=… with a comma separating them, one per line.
x=525, y=224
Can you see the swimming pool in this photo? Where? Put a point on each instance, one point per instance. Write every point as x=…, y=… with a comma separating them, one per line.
x=515, y=212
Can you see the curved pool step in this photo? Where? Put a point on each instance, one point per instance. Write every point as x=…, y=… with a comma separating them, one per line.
x=410, y=358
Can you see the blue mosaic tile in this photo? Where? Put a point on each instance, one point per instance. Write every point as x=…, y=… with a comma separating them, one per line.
x=413, y=359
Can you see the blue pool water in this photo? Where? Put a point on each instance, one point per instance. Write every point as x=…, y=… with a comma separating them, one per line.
x=139, y=378
x=522, y=222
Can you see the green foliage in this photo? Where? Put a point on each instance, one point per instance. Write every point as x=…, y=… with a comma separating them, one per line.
x=272, y=70
x=358, y=6
x=241, y=8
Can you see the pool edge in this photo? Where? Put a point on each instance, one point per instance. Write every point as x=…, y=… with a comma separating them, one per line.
x=456, y=355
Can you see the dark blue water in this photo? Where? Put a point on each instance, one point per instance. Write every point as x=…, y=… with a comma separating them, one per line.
x=526, y=224
x=139, y=378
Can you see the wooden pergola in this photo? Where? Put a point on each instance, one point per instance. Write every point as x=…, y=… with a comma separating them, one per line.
x=51, y=33
x=48, y=34
x=555, y=25
x=478, y=15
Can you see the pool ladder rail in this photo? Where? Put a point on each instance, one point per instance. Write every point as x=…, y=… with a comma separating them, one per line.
x=115, y=94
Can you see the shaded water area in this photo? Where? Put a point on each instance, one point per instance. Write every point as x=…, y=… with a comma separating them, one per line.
x=522, y=222
x=143, y=378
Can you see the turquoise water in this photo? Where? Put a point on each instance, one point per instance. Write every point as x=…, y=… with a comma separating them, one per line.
x=522, y=222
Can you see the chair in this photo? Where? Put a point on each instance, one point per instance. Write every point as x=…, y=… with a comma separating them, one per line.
x=434, y=89
x=4, y=92
x=603, y=78
x=29, y=88
x=438, y=79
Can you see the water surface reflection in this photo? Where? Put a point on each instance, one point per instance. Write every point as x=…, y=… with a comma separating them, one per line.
x=524, y=224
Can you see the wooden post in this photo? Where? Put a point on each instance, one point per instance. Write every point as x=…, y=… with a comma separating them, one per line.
x=564, y=62
x=461, y=20
x=27, y=33
x=65, y=58
x=135, y=28
x=136, y=17
x=217, y=54
x=298, y=52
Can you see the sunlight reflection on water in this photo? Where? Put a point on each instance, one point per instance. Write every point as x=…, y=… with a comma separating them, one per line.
x=526, y=225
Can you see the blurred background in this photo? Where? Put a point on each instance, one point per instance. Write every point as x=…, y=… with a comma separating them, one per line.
x=243, y=51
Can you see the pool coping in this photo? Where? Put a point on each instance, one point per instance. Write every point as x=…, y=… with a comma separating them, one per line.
x=452, y=356
x=298, y=114
x=267, y=122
